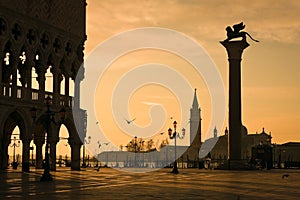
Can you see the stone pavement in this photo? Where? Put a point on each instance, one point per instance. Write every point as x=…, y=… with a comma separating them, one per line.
x=188, y=184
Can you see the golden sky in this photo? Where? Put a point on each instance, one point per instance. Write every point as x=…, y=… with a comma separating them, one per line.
x=270, y=68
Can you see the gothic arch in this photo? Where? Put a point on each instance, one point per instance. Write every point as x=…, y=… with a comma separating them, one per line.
x=55, y=41
x=14, y=118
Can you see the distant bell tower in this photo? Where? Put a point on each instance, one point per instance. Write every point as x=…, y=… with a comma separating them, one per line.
x=215, y=132
x=195, y=119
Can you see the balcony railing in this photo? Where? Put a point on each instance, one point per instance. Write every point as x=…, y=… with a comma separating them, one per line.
x=6, y=90
x=34, y=94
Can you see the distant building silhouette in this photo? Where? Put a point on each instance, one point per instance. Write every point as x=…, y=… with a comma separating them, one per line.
x=287, y=155
x=220, y=150
x=195, y=119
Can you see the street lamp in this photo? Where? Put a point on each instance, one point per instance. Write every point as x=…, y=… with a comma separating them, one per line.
x=50, y=119
x=86, y=141
x=14, y=145
x=174, y=136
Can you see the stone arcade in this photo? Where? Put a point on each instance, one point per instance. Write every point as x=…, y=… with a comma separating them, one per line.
x=36, y=36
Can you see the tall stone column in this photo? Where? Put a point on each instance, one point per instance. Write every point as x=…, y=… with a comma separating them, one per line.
x=234, y=51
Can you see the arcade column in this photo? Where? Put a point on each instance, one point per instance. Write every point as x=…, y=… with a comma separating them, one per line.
x=234, y=51
x=75, y=153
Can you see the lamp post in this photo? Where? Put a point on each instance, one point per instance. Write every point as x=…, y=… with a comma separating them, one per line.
x=14, y=145
x=174, y=136
x=86, y=141
x=50, y=119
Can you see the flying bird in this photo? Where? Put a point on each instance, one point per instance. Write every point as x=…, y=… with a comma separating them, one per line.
x=129, y=121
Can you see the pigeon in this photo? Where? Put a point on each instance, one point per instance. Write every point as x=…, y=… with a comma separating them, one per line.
x=285, y=176
x=129, y=121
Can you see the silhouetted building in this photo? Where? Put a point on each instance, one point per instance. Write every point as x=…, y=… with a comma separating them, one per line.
x=195, y=119
x=219, y=152
x=287, y=155
x=39, y=38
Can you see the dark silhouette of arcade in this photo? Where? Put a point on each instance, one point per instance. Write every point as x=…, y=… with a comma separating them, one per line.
x=39, y=37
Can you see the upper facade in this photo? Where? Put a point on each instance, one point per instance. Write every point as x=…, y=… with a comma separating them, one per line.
x=37, y=36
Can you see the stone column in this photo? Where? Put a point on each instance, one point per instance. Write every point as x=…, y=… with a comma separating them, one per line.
x=14, y=78
x=75, y=153
x=67, y=84
x=29, y=65
x=234, y=51
x=77, y=94
x=38, y=153
x=53, y=155
x=41, y=80
x=4, y=156
x=25, y=155
x=78, y=79
x=56, y=85
x=1, y=68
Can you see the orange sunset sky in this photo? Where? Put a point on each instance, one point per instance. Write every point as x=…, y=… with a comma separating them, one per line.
x=270, y=68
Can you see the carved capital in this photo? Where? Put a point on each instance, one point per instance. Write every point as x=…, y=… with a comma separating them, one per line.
x=235, y=48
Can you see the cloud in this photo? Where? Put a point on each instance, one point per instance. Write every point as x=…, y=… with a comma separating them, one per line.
x=151, y=103
x=204, y=20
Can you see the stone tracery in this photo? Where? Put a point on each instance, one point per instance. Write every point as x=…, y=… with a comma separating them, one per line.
x=30, y=45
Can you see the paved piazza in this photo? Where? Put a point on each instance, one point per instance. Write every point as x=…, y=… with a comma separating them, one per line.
x=113, y=184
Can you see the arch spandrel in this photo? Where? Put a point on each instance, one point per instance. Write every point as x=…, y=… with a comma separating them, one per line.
x=72, y=131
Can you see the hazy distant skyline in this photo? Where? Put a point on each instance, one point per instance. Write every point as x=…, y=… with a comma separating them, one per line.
x=270, y=74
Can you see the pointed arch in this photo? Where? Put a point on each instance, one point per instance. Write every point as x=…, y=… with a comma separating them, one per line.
x=14, y=118
x=63, y=147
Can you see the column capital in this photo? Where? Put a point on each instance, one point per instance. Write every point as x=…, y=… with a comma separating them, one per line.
x=74, y=141
x=235, y=48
